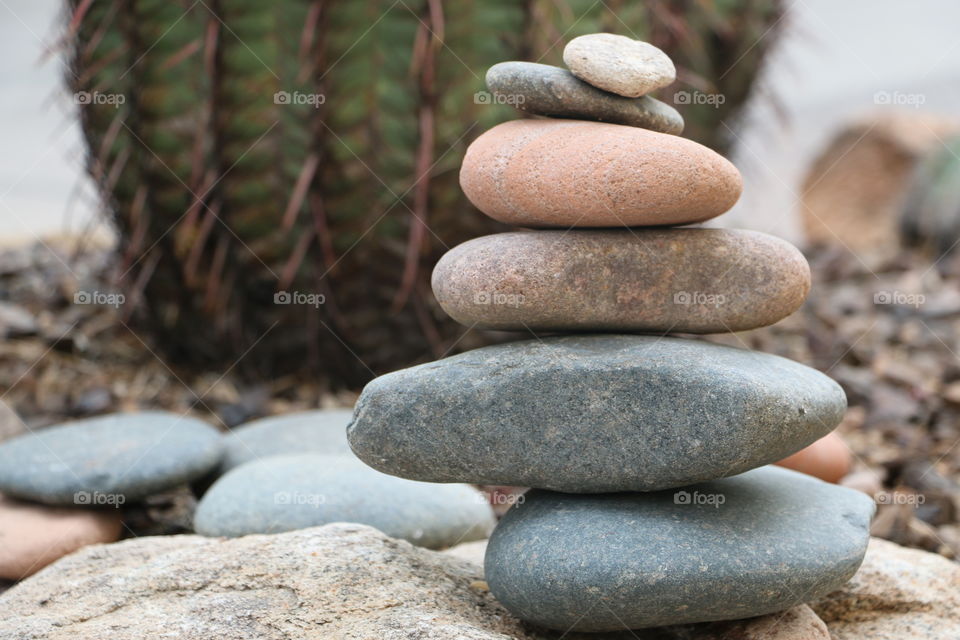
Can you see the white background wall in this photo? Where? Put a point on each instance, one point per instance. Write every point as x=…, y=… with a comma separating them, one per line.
x=41, y=159
x=837, y=55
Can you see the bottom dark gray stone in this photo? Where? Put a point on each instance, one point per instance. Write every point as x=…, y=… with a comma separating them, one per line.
x=738, y=547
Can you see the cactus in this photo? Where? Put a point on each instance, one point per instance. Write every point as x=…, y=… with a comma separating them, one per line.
x=283, y=175
x=930, y=217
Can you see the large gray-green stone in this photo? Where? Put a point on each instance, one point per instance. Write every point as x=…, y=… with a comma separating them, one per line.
x=592, y=413
x=551, y=91
x=284, y=493
x=108, y=460
x=320, y=431
x=733, y=548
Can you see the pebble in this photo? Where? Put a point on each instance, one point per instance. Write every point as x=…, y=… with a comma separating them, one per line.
x=108, y=460
x=678, y=280
x=829, y=459
x=545, y=90
x=734, y=548
x=619, y=64
x=592, y=413
x=33, y=536
x=572, y=173
x=284, y=493
x=320, y=431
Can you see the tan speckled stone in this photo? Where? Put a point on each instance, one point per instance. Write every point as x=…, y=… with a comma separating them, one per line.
x=32, y=535
x=561, y=173
x=660, y=280
x=898, y=594
x=619, y=64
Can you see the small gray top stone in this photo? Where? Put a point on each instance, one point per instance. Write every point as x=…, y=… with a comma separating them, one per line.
x=320, y=431
x=109, y=459
x=734, y=548
x=284, y=493
x=619, y=64
x=551, y=91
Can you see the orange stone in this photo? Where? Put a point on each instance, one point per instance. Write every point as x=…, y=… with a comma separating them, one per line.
x=34, y=535
x=828, y=458
x=572, y=173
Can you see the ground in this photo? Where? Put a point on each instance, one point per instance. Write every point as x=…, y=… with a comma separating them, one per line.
x=887, y=327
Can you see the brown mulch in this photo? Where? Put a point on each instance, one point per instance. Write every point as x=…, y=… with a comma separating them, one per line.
x=897, y=362
x=59, y=359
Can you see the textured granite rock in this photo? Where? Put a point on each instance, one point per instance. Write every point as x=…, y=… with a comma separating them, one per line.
x=469, y=551
x=545, y=90
x=619, y=64
x=898, y=594
x=562, y=173
x=676, y=280
x=283, y=493
x=592, y=413
x=755, y=544
x=108, y=460
x=34, y=535
x=337, y=581
x=322, y=431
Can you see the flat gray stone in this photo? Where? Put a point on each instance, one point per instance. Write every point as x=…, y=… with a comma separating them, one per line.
x=108, y=460
x=592, y=413
x=545, y=90
x=285, y=493
x=733, y=548
x=322, y=431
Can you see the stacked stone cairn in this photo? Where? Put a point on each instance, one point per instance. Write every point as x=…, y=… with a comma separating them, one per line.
x=651, y=503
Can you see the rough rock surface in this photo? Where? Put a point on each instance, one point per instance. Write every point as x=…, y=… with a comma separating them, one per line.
x=108, y=460
x=283, y=493
x=561, y=173
x=619, y=64
x=34, y=535
x=592, y=413
x=323, y=431
x=469, y=551
x=677, y=280
x=898, y=594
x=336, y=581
x=758, y=543
x=545, y=90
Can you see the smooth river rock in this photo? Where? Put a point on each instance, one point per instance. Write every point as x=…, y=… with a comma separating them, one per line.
x=733, y=548
x=321, y=431
x=108, y=460
x=592, y=413
x=797, y=623
x=545, y=90
x=34, y=535
x=572, y=173
x=284, y=493
x=619, y=64
x=679, y=280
